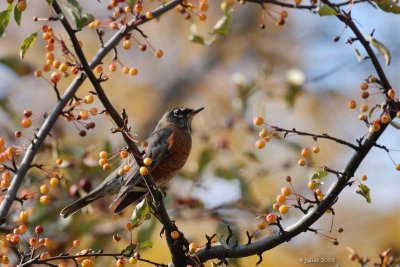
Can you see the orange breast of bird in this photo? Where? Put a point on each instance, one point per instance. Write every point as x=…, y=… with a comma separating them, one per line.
x=180, y=144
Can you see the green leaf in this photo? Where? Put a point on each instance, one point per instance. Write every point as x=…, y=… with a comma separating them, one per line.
x=205, y=157
x=76, y=5
x=381, y=48
x=17, y=15
x=146, y=244
x=132, y=3
x=28, y=42
x=50, y=2
x=141, y=213
x=5, y=19
x=84, y=20
x=372, y=110
x=364, y=191
x=146, y=230
x=388, y=6
x=319, y=175
x=194, y=36
x=325, y=10
x=130, y=247
x=223, y=25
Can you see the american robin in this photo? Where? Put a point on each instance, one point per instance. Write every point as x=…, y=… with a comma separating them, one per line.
x=168, y=146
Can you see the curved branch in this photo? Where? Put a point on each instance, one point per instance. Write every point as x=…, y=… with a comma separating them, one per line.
x=57, y=110
x=333, y=193
x=309, y=7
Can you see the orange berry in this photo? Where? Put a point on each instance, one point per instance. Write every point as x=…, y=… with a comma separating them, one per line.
x=276, y=206
x=47, y=242
x=305, y=152
x=106, y=166
x=33, y=242
x=284, y=14
x=283, y=209
x=98, y=69
x=6, y=175
x=203, y=6
x=352, y=104
x=5, y=183
x=14, y=239
x=26, y=122
x=174, y=235
x=258, y=121
x=125, y=70
x=373, y=128
x=398, y=167
x=102, y=162
x=364, y=86
x=132, y=260
x=45, y=199
x=365, y=94
x=127, y=168
x=391, y=93
x=143, y=171
x=38, y=73
x=363, y=178
x=44, y=189
x=202, y=17
x=147, y=161
x=87, y=263
x=301, y=162
x=271, y=218
x=112, y=67
x=385, y=118
x=55, y=77
x=23, y=215
x=263, y=133
x=123, y=154
x=316, y=149
x=318, y=192
x=364, y=108
x=128, y=226
x=103, y=154
x=22, y=228
x=89, y=99
x=138, y=8
x=311, y=185
x=149, y=15
x=286, y=191
x=59, y=161
x=93, y=111
x=193, y=247
x=280, y=199
x=126, y=44
x=260, y=144
x=261, y=226
x=63, y=67
x=158, y=53
x=21, y=5
x=76, y=243
x=54, y=181
x=84, y=114
x=133, y=71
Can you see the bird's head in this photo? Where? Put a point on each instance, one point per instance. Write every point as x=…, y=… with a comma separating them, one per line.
x=181, y=117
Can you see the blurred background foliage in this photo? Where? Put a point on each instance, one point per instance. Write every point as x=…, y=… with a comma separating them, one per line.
x=294, y=76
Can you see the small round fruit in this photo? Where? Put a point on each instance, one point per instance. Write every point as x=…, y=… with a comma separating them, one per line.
x=44, y=189
x=123, y=154
x=89, y=99
x=158, y=53
x=284, y=14
x=63, y=67
x=312, y=185
x=174, y=235
x=301, y=162
x=318, y=192
x=132, y=260
x=128, y=226
x=33, y=242
x=258, y=121
x=385, y=118
x=364, y=86
x=138, y=8
x=133, y=71
x=398, y=167
x=305, y=152
x=126, y=44
x=39, y=229
x=352, y=104
x=149, y=15
x=21, y=6
x=263, y=133
x=59, y=161
x=147, y=161
x=54, y=181
x=26, y=122
x=283, y=209
x=102, y=162
x=271, y=218
x=76, y=243
x=260, y=144
x=276, y=206
x=103, y=155
x=45, y=199
x=286, y=191
x=261, y=226
x=127, y=168
x=365, y=94
x=363, y=178
x=23, y=215
x=143, y=171
x=391, y=93
x=106, y=166
x=193, y=247
x=316, y=149
x=280, y=199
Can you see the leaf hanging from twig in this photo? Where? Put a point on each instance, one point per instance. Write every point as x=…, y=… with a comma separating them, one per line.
x=381, y=48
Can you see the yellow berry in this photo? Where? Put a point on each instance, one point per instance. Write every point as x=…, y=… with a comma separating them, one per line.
x=316, y=149
x=271, y=218
x=286, y=191
x=128, y=226
x=283, y=209
x=312, y=185
x=364, y=108
x=258, y=121
x=44, y=189
x=89, y=99
x=385, y=118
x=276, y=206
x=63, y=67
x=23, y=215
x=45, y=199
x=193, y=247
x=54, y=181
x=174, y=235
x=121, y=172
x=103, y=155
x=147, y=161
x=143, y=171
x=123, y=154
x=21, y=6
x=126, y=44
x=149, y=15
x=158, y=53
x=261, y=226
x=202, y=17
x=132, y=260
x=305, y=152
x=263, y=133
x=127, y=168
x=59, y=161
x=280, y=199
x=133, y=71
x=260, y=144
x=352, y=104
x=284, y=14
x=102, y=162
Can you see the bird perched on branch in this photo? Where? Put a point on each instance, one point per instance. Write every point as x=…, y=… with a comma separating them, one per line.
x=168, y=147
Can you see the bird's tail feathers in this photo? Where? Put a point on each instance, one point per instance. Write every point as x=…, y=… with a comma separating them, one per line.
x=79, y=204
